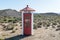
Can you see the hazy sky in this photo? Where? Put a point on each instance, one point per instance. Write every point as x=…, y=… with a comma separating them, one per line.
x=40, y=6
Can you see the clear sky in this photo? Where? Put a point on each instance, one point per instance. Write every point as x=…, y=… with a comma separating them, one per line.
x=40, y=6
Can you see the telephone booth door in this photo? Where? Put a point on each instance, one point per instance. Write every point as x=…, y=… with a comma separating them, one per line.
x=27, y=23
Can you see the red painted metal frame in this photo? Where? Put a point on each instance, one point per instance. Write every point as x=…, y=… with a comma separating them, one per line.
x=27, y=23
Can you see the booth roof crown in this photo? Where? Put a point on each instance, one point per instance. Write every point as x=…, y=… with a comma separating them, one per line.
x=27, y=9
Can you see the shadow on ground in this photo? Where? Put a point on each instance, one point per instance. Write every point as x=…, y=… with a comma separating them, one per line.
x=18, y=37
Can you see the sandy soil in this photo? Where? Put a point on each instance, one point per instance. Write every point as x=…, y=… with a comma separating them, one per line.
x=39, y=34
x=44, y=34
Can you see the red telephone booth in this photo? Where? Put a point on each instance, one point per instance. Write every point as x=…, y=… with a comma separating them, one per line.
x=27, y=21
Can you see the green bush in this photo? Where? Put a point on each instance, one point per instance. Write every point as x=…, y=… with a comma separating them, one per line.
x=7, y=19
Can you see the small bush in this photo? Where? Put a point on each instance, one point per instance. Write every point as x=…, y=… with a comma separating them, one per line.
x=53, y=26
x=54, y=23
x=10, y=28
x=13, y=31
x=58, y=29
x=48, y=25
x=16, y=29
x=58, y=26
x=40, y=23
x=35, y=27
x=39, y=26
x=9, y=20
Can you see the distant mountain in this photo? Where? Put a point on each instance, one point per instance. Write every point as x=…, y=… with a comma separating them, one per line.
x=47, y=14
x=10, y=12
x=14, y=13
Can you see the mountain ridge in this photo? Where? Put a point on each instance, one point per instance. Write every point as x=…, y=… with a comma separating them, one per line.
x=10, y=12
x=14, y=13
x=47, y=14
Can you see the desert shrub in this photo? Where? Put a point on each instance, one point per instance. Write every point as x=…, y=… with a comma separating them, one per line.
x=19, y=19
x=13, y=31
x=16, y=24
x=44, y=23
x=14, y=21
x=59, y=22
x=20, y=24
x=46, y=27
x=4, y=27
x=4, y=20
x=48, y=24
x=53, y=26
x=8, y=27
x=35, y=27
x=16, y=29
x=54, y=23
x=39, y=26
x=9, y=20
x=46, y=19
x=58, y=28
x=52, y=35
x=39, y=23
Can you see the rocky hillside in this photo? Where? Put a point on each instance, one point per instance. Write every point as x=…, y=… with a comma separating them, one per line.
x=10, y=12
